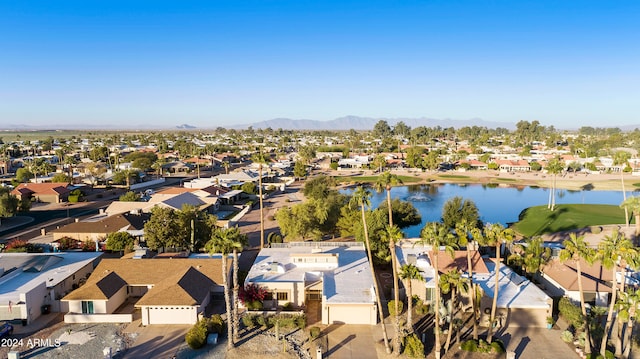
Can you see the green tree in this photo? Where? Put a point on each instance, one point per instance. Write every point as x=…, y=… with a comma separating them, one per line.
x=224, y=241
x=8, y=203
x=23, y=175
x=162, y=230
x=404, y=213
x=465, y=232
x=248, y=187
x=534, y=255
x=381, y=130
x=129, y=196
x=633, y=202
x=410, y=272
x=361, y=198
x=196, y=225
x=120, y=241
x=576, y=250
x=299, y=170
x=437, y=235
x=495, y=235
x=60, y=178
x=414, y=156
x=455, y=210
x=319, y=187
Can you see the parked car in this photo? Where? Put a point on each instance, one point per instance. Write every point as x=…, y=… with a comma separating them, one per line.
x=6, y=329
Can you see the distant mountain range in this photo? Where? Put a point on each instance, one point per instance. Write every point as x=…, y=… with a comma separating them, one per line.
x=367, y=123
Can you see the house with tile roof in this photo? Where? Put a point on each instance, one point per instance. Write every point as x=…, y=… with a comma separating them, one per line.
x=50, y=192
x=165, y=290
x=561, y=279
x=331, y=280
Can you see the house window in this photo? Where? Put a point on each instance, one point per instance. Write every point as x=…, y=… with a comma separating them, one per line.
x=268, y=296
x=87, y=307
x=282, y=295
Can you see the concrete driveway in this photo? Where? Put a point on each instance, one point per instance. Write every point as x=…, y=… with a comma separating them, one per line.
x=158, y=341
x=350, y=341
x=536, y=343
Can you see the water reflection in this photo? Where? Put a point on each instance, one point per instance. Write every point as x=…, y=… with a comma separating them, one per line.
x=496, y=203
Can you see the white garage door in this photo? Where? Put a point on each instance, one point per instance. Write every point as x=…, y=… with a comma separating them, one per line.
x=172, y=315
x=352, y=314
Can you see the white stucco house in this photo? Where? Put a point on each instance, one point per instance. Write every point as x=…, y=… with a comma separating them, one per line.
x=333, y=278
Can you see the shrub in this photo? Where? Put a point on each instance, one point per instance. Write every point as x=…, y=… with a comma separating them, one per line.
x=392, y=307
x=566, y=336
x=252, y=292
x=497, y=347
x=469, y=346
x=248, y=320
x=314, y=332
x=571, y=312
x=254, y=305
x=413, y=347
x=288, y=307
x=261, y=321
x=216, y=324
x=196, y=336
x=301, y=321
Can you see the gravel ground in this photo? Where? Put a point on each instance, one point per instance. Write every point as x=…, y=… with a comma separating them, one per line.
x=71, y=341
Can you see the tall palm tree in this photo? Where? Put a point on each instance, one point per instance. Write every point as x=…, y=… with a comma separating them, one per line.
x=554, y=167
x=633, y=202
x=224, y=241
x=384, y=182
x=437, y=235
x=495, y=234
x=611, y=252
x=621, y=158
x=393, y=234
x=452, y=282
x=240, y=241
x=260, y=159
x=576, y=249
x=463, y=229
x=360, y=197
x=629, y=306
x=409, y=272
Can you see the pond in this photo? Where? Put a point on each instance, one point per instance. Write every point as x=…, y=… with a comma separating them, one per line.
x=496, y=203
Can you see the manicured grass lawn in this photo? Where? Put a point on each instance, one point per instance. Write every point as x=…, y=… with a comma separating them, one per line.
x=505, y=179
x=372, y=179
x=539, y=220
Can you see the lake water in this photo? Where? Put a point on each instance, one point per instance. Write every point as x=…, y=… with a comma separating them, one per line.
x=501, y=204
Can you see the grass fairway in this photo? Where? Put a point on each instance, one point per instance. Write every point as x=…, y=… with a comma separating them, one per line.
x=372, y=179
x=539, y=220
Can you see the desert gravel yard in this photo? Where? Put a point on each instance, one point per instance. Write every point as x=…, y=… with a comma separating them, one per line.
x=73, y=341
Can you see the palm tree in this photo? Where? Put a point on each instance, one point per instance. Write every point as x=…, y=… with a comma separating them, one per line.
x=629, y=306
x=452, y=282
x=226, y=166
x=576, y=249
x=260, y=159
x=554, y=167
x=409, y=272
x=621, y=158
x=613, y=249
x=360, y=197
x=224, y=241
x=241, y=241
x=633, y=202
x=535, y=255
x=495, y=234
x=384, y=182
x=463, y=229
x=437, y=235
x=392, y=234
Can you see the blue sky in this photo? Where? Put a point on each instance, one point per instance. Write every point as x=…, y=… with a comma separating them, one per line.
x=216, y=63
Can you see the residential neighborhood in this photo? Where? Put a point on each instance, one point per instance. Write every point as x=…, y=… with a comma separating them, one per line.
x=273, y=235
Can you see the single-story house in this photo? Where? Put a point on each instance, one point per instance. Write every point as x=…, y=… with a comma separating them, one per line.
x=166, y=290
x=50, y=192
x=332, y=279
x=561, y=279
x=98, y=230
x=34, y=283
